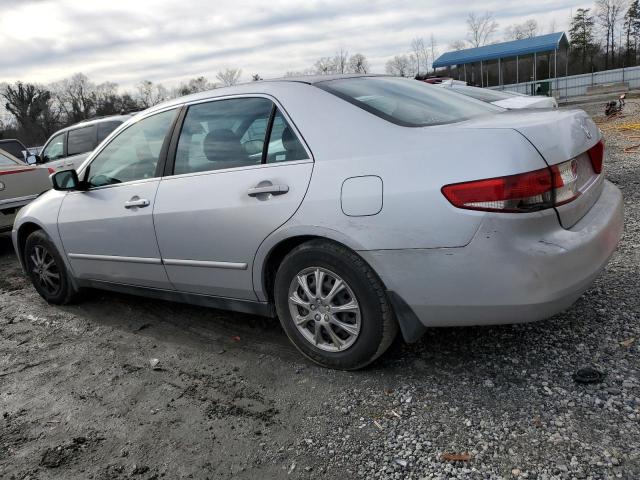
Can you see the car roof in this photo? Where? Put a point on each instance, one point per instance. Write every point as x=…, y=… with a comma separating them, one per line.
x=7, y=140
x=313, y=79
x=263, y=86
x=94, y=121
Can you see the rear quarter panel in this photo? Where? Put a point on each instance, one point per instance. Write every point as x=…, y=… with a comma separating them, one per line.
x=413, y=163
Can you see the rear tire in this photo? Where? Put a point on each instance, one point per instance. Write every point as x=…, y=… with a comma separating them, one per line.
x=347, y=322
x=47, y=271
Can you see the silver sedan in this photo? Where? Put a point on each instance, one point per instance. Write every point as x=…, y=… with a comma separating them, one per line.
x=351, y=207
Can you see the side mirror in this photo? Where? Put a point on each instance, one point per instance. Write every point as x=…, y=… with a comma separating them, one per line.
x=32, y=159
x=65, y=180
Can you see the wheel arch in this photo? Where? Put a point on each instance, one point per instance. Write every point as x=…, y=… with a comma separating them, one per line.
x=26, y=229
x=278, y=245
x=275, y=248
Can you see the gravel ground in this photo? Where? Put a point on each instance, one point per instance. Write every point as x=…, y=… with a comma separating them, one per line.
x=81, y=395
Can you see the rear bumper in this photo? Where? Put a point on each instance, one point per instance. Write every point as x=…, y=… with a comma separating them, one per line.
x=518, y=268
x=8, y=210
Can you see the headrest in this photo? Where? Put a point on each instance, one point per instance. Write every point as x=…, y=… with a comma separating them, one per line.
x=222, y=145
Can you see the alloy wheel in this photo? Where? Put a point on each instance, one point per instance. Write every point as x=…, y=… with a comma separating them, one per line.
x=324, y=309
x=45, y=270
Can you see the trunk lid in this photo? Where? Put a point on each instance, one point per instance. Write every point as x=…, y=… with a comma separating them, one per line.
x=559, y=136
x=18, y=184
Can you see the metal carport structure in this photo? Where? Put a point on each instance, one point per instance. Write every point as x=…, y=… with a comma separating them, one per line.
x=550, y=43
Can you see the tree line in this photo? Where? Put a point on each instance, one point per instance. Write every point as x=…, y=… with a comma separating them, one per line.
x=602, y=37
x=36, y=111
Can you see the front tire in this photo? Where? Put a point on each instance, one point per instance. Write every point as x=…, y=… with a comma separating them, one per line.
x=47, y=270
x=333, y=306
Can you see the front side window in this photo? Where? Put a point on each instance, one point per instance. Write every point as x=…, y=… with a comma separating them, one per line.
x=55, y=149
x=81, y=140
x=133, y=154
x=223, y=134
x=405, y=102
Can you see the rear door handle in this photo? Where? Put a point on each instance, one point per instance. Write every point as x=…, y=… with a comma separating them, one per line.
x=137, y=202
x=272, y=189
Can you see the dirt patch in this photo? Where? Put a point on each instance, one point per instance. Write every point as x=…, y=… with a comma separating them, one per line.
x=230, y=398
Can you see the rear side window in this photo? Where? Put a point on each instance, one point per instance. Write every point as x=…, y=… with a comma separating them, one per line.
x=405, y=102
x=12, y=147
x=105, y=129
x=223, y=134
x=284, y=146
x=4, y=160
x=81, y=140
x=235, y=133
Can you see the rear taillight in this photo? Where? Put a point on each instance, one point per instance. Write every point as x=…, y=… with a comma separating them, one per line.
x=516, y=193
x=596, y=154
x=51, y=170
x=525, y=192
x=565, y=182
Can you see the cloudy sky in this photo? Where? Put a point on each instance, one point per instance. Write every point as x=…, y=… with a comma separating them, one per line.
x=126, y=41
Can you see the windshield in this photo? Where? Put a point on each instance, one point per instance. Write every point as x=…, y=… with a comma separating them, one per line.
x=407, y=102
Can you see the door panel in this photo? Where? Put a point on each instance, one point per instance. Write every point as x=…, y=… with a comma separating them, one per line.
x=106, y=239
x=210, y=225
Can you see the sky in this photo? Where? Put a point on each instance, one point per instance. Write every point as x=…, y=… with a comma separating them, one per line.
x=169, y=41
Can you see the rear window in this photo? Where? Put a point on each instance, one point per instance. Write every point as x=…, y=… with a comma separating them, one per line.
x=483, y=94
x=81, y=140
x=407, y=102
x=13, y=147
x=4, y=161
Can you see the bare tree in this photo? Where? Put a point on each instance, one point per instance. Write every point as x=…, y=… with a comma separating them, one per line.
x=519, y=31
x=110, y=102
x=553, y=26
x=194, y=85
x=76, y=97
x=325, y=66
x=433, y=45
x=300, y=73
x=608, y=13
x=150, y=94
x=358, y=63
x=31, y=106
x=480, y=28
x=341, y=61
x=231, y=76
x=400, y=65
x=419, y=50
x=458, y=45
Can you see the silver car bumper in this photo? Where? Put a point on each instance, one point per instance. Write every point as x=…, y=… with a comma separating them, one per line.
x=8, y=210
x=516, y=269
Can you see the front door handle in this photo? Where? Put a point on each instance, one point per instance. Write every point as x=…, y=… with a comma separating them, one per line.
x=137, y=202
x=266, y=189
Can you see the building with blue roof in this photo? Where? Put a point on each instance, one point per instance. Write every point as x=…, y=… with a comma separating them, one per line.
x=549, y=44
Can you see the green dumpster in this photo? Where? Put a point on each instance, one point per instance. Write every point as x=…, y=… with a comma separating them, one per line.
x=542, y=88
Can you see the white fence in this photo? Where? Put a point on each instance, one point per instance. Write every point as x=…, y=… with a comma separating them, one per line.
x=576, y=85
